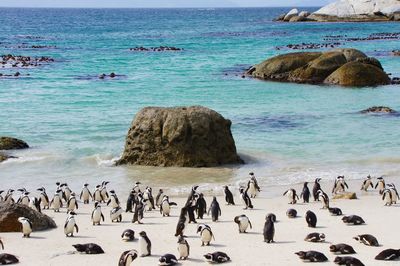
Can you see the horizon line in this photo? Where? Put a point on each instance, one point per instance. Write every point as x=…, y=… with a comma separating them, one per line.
x=161, y=7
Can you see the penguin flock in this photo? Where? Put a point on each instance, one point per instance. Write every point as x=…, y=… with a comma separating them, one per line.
x=140, y=201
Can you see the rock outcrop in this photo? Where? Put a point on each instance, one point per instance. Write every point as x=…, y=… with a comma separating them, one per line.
x=193, y=136
x=8, y=143
x=378, y=109
x=345, y=67
x=9, y=214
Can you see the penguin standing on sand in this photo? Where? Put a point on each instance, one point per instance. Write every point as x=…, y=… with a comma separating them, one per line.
x=393, y=191
x=201, y=206
x=136, y=187
x=340, y=185
x=34, y=203
x=311, y=219
x=292, y=195
x=144, y=244
x=193, y=194
x=97, y=194
x=97, y=215
x=127, y=257
x=316, y=188
x=269, y=229
x=139, y=209
x=113, y=199
x=85, y=194
x=324, y=198
x=116, y=214
x=70, y=225
x=228, y=196
x=305, y=193
x=245, y=198
x=214, y=209
x=44, y=198
x=367, y=183
x=131, y=201
x=24, y=197
x=56, y=202
x=387, y=197
x=26, y=226
x=9, y=197
x=182, y=222
x=252, y=186
x=183, y=248
x=205, y=234
x=66, y=191
x=165, y=207
x=243, y=223
x=159, y=197
x=147, y=195
x=72, y=203
x=380, y=185
x=103, y=190
x=191, y=207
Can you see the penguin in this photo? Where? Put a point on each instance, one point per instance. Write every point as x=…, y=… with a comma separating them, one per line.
x=316, y=188
x=205, y=234
x=72, y=203
x=44, y=199
x=127, y=257
x=24, y=197
x=6, y=258
x=387, y=197
x=66, y=191
x=292, y=195
x=70, y=225
x=128, y=235
x=9, y=197
x=305, y=193
x=136, y=187
x=27, y=227
x=272, y=216
x=367, y=183
x=183, y=248
x=214, y=209
x=144, y=244
x=291, y=213
x=269, y=230
x=191, y=207
x=116, y=214
x=1, y=244
x=393, y=191
x=388, y=254
x=367, y=239
x=182, y=222
x=380, y=185
x=139, y=209
x=228, y=196
x=56, y=202
x=347, y=260
x=315, y=237
x=311, y=256
x=217, y=257
x=343, y=249
x=89, y=248
x=243, y=223
x=311, y=219
x=103, y=190
x=165, y=207
x=34, y=203
x=252, y=186
x=245, y=198
x=159, y=197
x=147, y=195
x=353, y=219
x=340, y=185
x=335, y=211
x=97, y=215
x=97, y=194
x=113, y=199
x=324, y=198
x=130, y=203
x=201, y=206
x=167, y=260
x=85, y=194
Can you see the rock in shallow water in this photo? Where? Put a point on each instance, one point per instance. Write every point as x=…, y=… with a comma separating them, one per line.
x=192, y=136
x=7, y=143
x=378, y=109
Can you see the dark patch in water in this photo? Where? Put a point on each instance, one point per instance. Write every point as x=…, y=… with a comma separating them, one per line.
x=222, y=34
x=236, y=70
x=100, y=77
x=272, y=123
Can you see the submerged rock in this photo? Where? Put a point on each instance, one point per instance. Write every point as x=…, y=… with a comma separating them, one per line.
x=8, y=143
x=192, y=136
x=378, y=109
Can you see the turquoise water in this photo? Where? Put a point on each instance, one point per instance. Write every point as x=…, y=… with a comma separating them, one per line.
x=287, y=133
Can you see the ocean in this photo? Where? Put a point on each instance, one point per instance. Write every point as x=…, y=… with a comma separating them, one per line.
x=287, y=133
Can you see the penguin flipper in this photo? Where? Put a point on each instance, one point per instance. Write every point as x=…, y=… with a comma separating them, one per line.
x=102, y=216
x=76, y=204
x=76, y=227
x=80, y=195
x=251, y=227
x=173, y=204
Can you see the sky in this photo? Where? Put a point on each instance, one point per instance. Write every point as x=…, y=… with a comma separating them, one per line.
x=161, y=3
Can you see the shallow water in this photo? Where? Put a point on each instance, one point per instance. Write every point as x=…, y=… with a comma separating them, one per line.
x=287, y=133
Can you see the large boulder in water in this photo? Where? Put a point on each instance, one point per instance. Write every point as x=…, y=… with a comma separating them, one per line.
x=9, y=214
x=8, y=143
x=193, y=136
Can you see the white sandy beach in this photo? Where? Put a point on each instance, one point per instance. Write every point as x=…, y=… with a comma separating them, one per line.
x=53, y=248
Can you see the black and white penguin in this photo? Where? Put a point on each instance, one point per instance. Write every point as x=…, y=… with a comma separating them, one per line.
x=159, y=197
x=72, y=203
x=103, y=190
x=34, y=203
x=165, y=206
x=97, y=194
x=9, y=197
x=272, y=216
x=342, y=249
x=136, y=187
x=116, y=214
x=245, y=198
x=335, y=211
x=113, y=199
x=139, y=209
x=312, y=256
x=315, y=237
x=243, y=223
x=97, y=215
x=316, y=188
x=6, y=258
x=393, y=191
x=144, y=244
x=183, y=248
x=291, y=213
x=130, y=202
x=340, y=185
x=292, y=195
x=70, y=225
x=252, y=186
x=311, y=219
x=56, y=202
x=217, y=257
x=89, y=248
x=324, y=198
x=66, y=191
x=201, y=206
x=228, y=196
x=348, y=260
x=367, y=183
x=193, y=194
x=182, y=222
x=191, y=208
x=380, y=184
x=127, y=257
x=24, y=197
x=205, y=234
x=305, y=193
x=27, y=227
x=128, y=235
x=388, y=254
x=148, y=196
x=44, y=199
x=214, y=209
x=387, y=197
x=167, y=260
x=269, y=229
x=367, y=239
x=353, y=219
x=85, y=195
